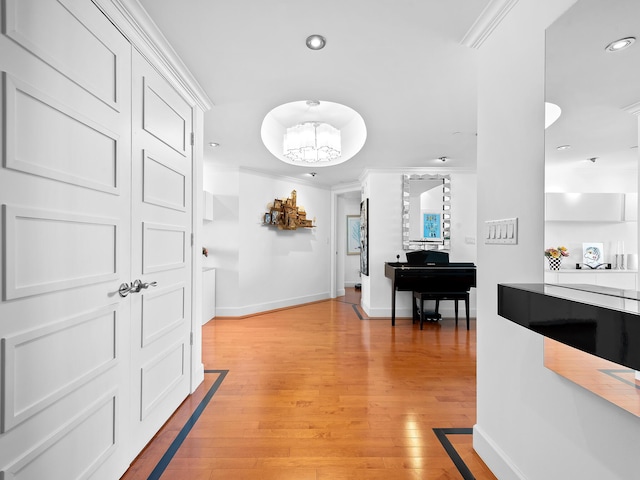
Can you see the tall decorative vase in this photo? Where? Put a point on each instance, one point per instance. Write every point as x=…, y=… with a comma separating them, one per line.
x=554, y=263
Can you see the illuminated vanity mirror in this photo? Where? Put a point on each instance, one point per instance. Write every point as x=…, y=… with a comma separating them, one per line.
x=426, y=212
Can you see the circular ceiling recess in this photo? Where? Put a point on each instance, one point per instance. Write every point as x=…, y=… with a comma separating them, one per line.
x=352, y=132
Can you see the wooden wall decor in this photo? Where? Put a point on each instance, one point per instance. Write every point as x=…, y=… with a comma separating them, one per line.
x=285, y=214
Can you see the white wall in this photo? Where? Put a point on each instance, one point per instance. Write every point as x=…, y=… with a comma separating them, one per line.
x=222, y=235
x=260, y=268
x=385, y=236
x=531, y=423
x=347, y=266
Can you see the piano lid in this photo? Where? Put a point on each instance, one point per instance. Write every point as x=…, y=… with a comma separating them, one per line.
x=427, y=257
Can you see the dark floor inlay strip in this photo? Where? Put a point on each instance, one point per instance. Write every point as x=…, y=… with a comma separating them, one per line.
x=355, y=309
x=177, y=442
x=442, y=433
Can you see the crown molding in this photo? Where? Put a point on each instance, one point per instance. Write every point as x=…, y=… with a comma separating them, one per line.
x=487, y=22
x=286, y=178
x=135, y=24
x=633, y=109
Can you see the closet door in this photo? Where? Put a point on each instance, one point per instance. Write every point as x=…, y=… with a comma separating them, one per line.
x=65, y=196
x=161, y=250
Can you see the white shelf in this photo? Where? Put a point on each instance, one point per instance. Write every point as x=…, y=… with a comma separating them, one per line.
x=625, y=279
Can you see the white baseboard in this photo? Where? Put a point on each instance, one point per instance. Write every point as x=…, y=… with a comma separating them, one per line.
x=267, y=306
x=495, y=458
x=197, y=376
x=340, y=292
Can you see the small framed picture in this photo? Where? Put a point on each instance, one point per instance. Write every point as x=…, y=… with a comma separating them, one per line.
x=275, y=214
x=593, y=254
x=267, y=218
x=353, y=234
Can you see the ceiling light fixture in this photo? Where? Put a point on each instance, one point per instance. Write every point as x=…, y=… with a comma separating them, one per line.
x=620, y=44
x=563, y=147
x=316, y=42
x=312, y=142
x=214, y=144
x=313, y=133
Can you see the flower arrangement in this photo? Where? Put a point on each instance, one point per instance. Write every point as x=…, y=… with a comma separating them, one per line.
x=556, y=252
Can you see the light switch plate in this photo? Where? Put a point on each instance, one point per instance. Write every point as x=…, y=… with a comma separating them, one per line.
x=501, y=232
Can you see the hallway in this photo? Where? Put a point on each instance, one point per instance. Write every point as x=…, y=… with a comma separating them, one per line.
x=317, y=392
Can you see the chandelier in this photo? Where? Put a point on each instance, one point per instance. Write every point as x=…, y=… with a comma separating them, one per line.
x=312, y=142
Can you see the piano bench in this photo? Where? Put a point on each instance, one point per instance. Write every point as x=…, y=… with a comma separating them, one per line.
x=438, y=297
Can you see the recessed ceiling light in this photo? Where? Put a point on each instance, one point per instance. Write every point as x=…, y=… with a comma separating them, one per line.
x=620, y=44
x=563, y=147
x=214, y=144
x=316, y=42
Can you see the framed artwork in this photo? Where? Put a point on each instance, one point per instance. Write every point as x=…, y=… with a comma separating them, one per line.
x=364, y=237
x=353, y=234
x=267, y=218
x=593, y=254
x=432, y=226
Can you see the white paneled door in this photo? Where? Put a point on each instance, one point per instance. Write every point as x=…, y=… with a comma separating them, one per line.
x=161, y=239
x=89, y=202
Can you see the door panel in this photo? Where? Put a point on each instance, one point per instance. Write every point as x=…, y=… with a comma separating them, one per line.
x=38, y=140
x=164, y=247
x=79, y=250
x=165, y=116
x=161, y=252
x=65, y=183
x=35, y=381
x=77, y=450
x=162, y=185
x=68, y=36
x=162, y=310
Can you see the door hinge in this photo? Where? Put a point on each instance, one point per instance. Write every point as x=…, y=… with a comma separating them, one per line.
x=193, y=139
x=191, y=338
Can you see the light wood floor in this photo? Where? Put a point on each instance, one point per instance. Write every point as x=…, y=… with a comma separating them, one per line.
x=315, y=392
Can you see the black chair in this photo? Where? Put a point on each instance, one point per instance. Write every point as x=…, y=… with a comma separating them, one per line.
x=437, y=292
x=420, y=297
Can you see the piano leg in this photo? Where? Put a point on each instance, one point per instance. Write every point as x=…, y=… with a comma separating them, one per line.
x=466, y=304
x=393, y=304
x=456, y=309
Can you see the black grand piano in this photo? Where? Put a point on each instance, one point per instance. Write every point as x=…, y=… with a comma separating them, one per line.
x=430, y=273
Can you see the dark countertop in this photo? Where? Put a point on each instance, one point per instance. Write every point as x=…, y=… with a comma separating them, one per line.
x=598, y=320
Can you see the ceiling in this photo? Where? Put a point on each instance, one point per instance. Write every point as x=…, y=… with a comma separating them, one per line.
x=593, y=87
x=399, y=63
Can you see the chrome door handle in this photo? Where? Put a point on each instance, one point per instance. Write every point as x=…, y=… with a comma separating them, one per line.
x=124, y=289
x=137, y=285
